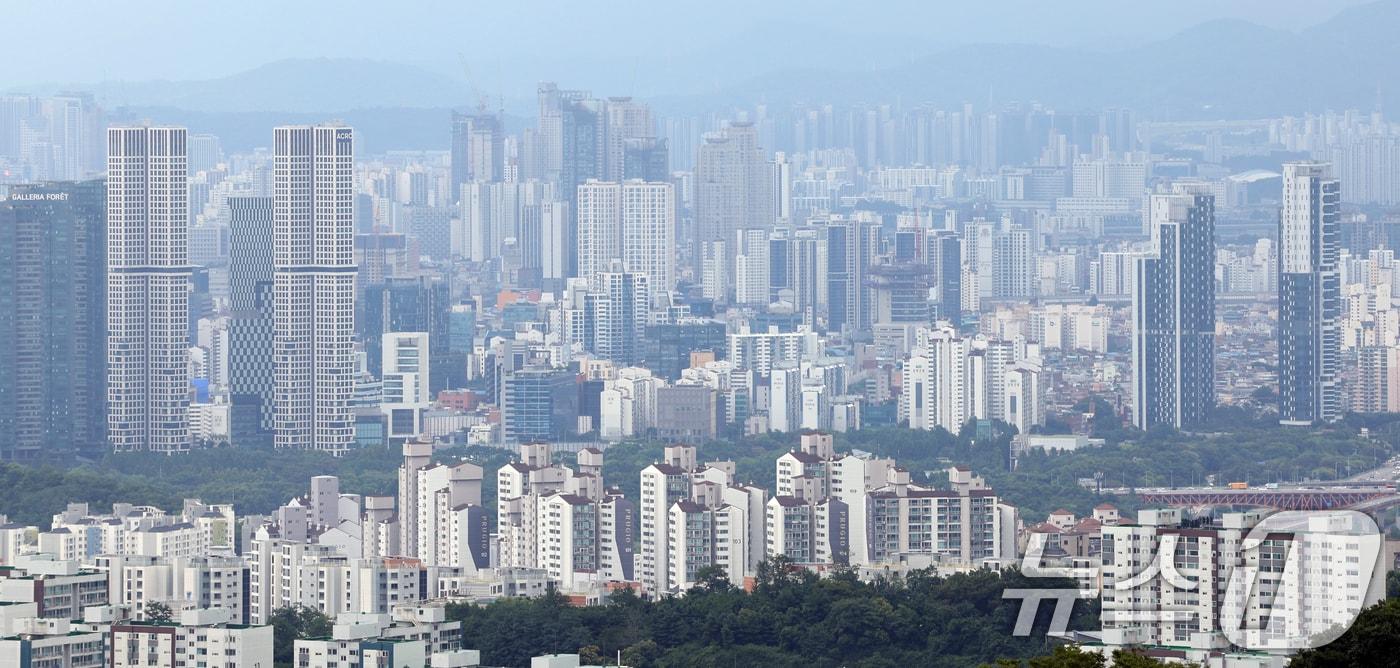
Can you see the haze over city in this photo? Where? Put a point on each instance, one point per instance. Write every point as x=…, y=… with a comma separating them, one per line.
x=549, y=334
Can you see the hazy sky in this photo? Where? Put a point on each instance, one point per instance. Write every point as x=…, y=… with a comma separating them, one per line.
x=75, y=41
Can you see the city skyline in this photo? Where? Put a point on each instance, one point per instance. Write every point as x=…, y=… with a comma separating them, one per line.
x=569, y=336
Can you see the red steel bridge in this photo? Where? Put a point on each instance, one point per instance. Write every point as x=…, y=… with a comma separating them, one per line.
x=1367, y=498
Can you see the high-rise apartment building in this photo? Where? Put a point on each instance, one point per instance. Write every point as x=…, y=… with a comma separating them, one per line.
x=599, y=226
x=1309, y=295
x=949, y=380
x=1302, y=576
x=662, y=485
x=314, y=291
x=148, y=283
x=751, y=267
x=52, y=320
x=632, y=221
x=936, y=389
x=1376, y=388
x=1022, y=405
x=1013, y=264
x=619, y=313
x=1174, y=315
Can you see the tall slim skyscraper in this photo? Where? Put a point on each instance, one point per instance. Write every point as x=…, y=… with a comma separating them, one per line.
x=314, y=287
x=851, y=247
x=945, y=254
x=1309, y=346
x=250, y=278
x=734, y=188
x=53, y=270
x=148, y=283
x=478, y=150
x=1174, y=315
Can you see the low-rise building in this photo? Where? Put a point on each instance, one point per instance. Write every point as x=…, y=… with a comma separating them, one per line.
x=49, y=643
x=201, y=637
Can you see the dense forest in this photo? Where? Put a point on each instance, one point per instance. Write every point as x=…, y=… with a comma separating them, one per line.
x=794, y=619
x=1240, y=447
x=791, y=618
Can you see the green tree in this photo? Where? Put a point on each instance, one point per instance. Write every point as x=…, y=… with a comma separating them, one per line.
x=295, y=623
x=857, y=624
x=591, y=655
x=713, y=578
x=644, y=654
x=158, y=613
x=1371, y=641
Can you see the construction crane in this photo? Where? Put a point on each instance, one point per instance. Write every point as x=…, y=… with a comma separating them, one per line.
x=483, y=101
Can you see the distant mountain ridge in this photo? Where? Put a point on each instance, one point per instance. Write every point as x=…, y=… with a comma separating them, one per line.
x=1218, y=69
x=1225, y=68
x=302, y=85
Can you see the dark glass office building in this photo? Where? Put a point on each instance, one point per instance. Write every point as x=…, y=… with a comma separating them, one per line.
x=53, y=338
x=250, y=282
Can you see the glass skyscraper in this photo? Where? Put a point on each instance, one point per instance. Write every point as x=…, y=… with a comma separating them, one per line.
x=1309, y=347
x=53, y=320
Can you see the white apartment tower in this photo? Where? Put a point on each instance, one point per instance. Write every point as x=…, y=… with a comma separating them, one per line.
x=599, y=226
x=314, y=291
x=662, y=485
x=936, y=388
x=633, y=221
x=148, y=276
x=649, y=232
x=751, y=280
